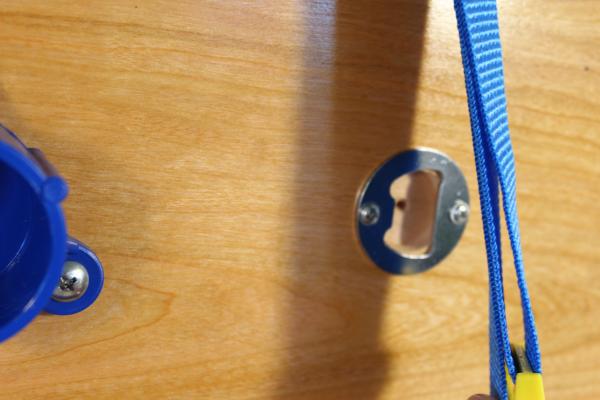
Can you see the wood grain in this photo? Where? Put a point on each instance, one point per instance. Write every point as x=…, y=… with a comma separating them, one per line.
x=214, y=149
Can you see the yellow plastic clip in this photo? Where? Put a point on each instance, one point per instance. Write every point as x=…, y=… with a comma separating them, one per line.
x=529, y=385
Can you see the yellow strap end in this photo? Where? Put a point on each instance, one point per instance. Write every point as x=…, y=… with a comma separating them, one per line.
x=529, y=386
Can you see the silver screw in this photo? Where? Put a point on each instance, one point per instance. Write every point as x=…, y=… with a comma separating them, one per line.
x=73, y=282
x=459, y=212
x=369, y=214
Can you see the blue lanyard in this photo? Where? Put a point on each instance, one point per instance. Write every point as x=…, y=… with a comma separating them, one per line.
x=484, y=77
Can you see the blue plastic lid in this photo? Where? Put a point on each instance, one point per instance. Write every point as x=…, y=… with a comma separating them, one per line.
x=33, y=236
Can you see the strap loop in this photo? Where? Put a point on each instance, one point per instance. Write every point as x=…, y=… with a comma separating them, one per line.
x=484, y=78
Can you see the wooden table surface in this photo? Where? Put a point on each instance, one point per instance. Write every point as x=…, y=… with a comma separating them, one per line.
x=214, y=150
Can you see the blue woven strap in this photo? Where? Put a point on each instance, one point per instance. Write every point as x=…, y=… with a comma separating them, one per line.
x=484, y=78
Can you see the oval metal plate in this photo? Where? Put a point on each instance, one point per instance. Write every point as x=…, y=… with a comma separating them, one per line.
x=376, y=192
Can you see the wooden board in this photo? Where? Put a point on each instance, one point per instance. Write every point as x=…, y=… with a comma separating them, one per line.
x=214, y=150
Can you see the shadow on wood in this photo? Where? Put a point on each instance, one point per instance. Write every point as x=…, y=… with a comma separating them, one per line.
x=362, y=66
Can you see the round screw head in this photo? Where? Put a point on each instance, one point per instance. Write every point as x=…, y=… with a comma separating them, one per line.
x=73, y=282
x=369, y=213
x=459, y=212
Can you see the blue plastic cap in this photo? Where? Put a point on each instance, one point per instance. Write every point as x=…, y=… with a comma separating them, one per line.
x=33, y=235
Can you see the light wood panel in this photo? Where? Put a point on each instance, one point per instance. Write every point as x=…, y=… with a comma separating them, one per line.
x=214, y=149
